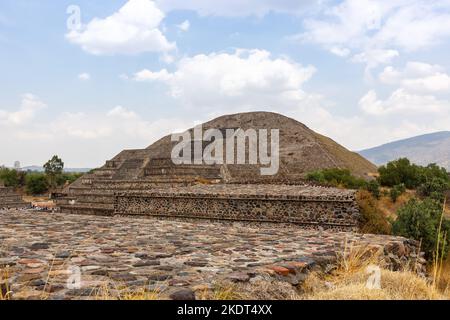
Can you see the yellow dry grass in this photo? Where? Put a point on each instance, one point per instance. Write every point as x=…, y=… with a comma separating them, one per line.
x=389, y=208
x=349, y=281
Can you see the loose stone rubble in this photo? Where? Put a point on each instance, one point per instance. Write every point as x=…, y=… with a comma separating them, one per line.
x=41, y=251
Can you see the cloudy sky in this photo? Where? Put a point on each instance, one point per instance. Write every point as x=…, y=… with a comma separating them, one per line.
x=128, y=72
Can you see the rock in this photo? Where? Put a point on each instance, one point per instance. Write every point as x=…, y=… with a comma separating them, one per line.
x=146, y=263
x=37, y=283
x=280, y=270
x=183, y=295
x=202, y=287
x=196, y=263
x=63, y=255
x=39, y=246
x=34, y=271
x=5, y=262
x=54, y=288
x=238, y=277
x=123, y=277
x=159, y=277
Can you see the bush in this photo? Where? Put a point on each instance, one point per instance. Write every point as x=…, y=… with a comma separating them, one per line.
x=36, y=183
x=420, y=220
x=372, y=219
x=337, y=178
x=402, y=171
x=374, y=188
x=398, y=172
x=67, y=177
x=9, y=177
x=434, y=188
x=397, y=191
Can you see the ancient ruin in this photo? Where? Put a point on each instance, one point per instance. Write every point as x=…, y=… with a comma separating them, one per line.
x=9, y=199
x=123, y=254
x=147, y=182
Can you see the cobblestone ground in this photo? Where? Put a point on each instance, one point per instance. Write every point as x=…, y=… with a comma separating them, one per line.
x=175, y=258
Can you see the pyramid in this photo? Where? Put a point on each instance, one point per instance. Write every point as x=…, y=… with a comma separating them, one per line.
x=150, y=173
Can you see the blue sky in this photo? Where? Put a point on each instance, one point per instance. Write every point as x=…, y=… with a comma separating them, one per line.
x=362, y=72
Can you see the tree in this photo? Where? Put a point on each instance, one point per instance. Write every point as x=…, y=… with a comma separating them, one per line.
x=398, y=172
x=420, y=220
x=53, y=169
x=36, y=183
x=9, y=177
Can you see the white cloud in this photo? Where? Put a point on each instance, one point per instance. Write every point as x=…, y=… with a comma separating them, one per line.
x=417, y=77
x=30, y=105
x=84, y=139
x=374, y=29
x=243, y=79
x=403, y=103
x=131, y=30
x=84, y=76
x=239, y=8
x=185, y=26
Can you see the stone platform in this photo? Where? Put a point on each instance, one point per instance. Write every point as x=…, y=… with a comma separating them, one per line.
x=126, y=253
x=308, y=206
x=10, y=199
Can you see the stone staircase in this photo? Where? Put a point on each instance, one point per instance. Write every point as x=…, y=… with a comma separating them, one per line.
x=95, y=193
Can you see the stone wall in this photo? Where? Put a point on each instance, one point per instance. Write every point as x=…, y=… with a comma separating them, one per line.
x=10, y=199
x=302, y=205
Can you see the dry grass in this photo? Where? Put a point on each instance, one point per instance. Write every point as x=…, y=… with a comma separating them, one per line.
x=113, y=291
x=394, y=286
x=389, y=208
x=5, y=293
x=349, y=281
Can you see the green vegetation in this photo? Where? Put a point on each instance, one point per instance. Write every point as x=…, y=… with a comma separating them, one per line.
x=54, y=169
x=37, y=183
x=423, y=220
x=397, y=191
x=337, y=178
x=11, y=178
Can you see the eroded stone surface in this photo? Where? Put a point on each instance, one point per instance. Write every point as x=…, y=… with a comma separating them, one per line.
x=44, y=250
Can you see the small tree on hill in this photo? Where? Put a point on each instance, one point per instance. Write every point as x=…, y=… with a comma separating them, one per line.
x=53, y=169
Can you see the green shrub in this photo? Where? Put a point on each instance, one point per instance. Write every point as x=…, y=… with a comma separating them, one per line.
x=434, y=188
x=397, y=191
x=36, y=183
x=374, y=188
x=420, y=220
x=337, y=178
x=398, y=172
x=67, y=177
x=9, y=177
x=372, y=219
x=402, y=171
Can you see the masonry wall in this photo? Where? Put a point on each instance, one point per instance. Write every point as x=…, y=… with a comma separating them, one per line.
x=336, y=214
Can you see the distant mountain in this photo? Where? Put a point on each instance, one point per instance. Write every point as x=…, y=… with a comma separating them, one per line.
x=41, y=169
x=422, y=150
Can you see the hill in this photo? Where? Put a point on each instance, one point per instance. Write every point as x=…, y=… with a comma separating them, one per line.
x=422, y=150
